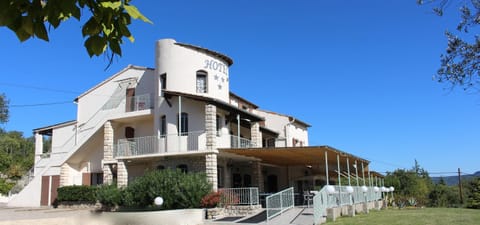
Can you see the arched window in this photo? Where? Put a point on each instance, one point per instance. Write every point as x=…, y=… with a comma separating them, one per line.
x=183, y=168
x=182, y=127
x=202, y=85
x=163, y=125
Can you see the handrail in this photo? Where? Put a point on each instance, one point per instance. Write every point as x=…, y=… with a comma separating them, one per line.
x=279, y=202
x=340, y=197
x=239, y=196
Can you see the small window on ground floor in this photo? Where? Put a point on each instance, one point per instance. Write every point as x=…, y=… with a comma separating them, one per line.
x=183, y=168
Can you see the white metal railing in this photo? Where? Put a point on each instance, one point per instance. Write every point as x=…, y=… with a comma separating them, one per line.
x=279, y=202
x=239, y=196
x=190, y=141
x=340, y=197
x=239, y=142
x=139, y=102
x=136, y=146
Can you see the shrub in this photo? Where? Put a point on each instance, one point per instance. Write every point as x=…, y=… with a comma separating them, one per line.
x=76, y=194
x=109, y=195
x=178, y=190
x=5, y=186
x=211, y=200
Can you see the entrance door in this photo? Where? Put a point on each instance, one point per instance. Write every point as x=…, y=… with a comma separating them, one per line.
x=272, y=184
x=49, y=189
x=130, y=100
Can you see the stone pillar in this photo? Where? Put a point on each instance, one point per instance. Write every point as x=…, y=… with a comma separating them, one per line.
x=256, y=135
x=211, y=170
x=64, y=175
x=257, y=176
x=107, y=174
x=108, y=141
x=107, y=152
x=210, y=125
x=122, y=174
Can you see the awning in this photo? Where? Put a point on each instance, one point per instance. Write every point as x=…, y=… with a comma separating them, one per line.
x=300, y=156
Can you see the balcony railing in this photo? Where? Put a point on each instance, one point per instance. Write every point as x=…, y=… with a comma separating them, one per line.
x=137, y=103
x=191, y=141
x=239, y=142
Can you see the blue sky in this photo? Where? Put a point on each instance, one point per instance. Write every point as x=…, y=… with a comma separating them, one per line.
x=360, y=72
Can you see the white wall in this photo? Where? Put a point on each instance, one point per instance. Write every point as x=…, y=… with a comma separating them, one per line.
x=92, y=102
x=286, y=129
x=181, y=63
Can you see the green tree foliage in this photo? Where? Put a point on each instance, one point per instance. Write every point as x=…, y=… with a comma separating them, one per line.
x=461, y=62
x=104, y=30
x=443, y=195
x=16, y=155
x=410, y=184
x=3, y=108
x=473, y=196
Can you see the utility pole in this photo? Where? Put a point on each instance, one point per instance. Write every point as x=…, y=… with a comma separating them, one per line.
x=460, y=186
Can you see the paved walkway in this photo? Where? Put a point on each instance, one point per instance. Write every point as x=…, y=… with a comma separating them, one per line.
x=43, y=216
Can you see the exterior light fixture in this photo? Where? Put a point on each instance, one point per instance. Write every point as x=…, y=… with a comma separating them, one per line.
x=330, y=189
x=364, y=189
x=349, y=189
x=376, y=189
x=158, y=201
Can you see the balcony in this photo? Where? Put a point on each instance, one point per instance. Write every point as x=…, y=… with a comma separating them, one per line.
x=137, y=103
x=174, y=143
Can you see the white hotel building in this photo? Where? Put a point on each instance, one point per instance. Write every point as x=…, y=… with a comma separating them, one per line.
x=180, y=114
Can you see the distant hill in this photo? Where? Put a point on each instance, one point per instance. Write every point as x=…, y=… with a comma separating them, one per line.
x=453, y=180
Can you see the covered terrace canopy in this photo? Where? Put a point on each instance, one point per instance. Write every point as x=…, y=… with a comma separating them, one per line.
x=302, y=156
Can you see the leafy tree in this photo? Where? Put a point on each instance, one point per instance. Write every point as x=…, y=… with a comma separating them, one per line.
x=461, y=62
x=3, y=108
x=414, y=183
x=473, y=197
x=104, y=30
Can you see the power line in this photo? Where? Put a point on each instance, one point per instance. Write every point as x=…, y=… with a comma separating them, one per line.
x=39, y=104
x=39, y=88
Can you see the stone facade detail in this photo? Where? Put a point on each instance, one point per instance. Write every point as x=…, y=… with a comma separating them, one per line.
x=257, y=176
x=210, y=125
x=122, y=174
x=211, y=170
x=107, y=174
x=256, y=135
x=64, y=174
x=108, y=141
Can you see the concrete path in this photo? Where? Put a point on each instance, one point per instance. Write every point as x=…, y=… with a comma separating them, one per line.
x=44, y=216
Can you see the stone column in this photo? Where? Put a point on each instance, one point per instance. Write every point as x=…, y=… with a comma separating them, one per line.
x=257, y=176
x=211, y=170
x=107, y=152
x=64, y=175
x=210, y=125
x=122, y=174
x=107, y=174
x=108, y=141
x=256, y=135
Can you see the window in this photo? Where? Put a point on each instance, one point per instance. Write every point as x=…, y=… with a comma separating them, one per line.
x=96, y=178
x=163, y=81
x=160, y=167
x=202, y=82
x=163, y=125
x=129, y=132
x=182, y=127
x=218, y=125
x=183, y=168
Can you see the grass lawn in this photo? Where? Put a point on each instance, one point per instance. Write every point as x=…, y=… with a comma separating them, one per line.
x=425, y=216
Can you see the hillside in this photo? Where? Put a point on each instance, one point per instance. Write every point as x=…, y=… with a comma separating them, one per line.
x=453, y=180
